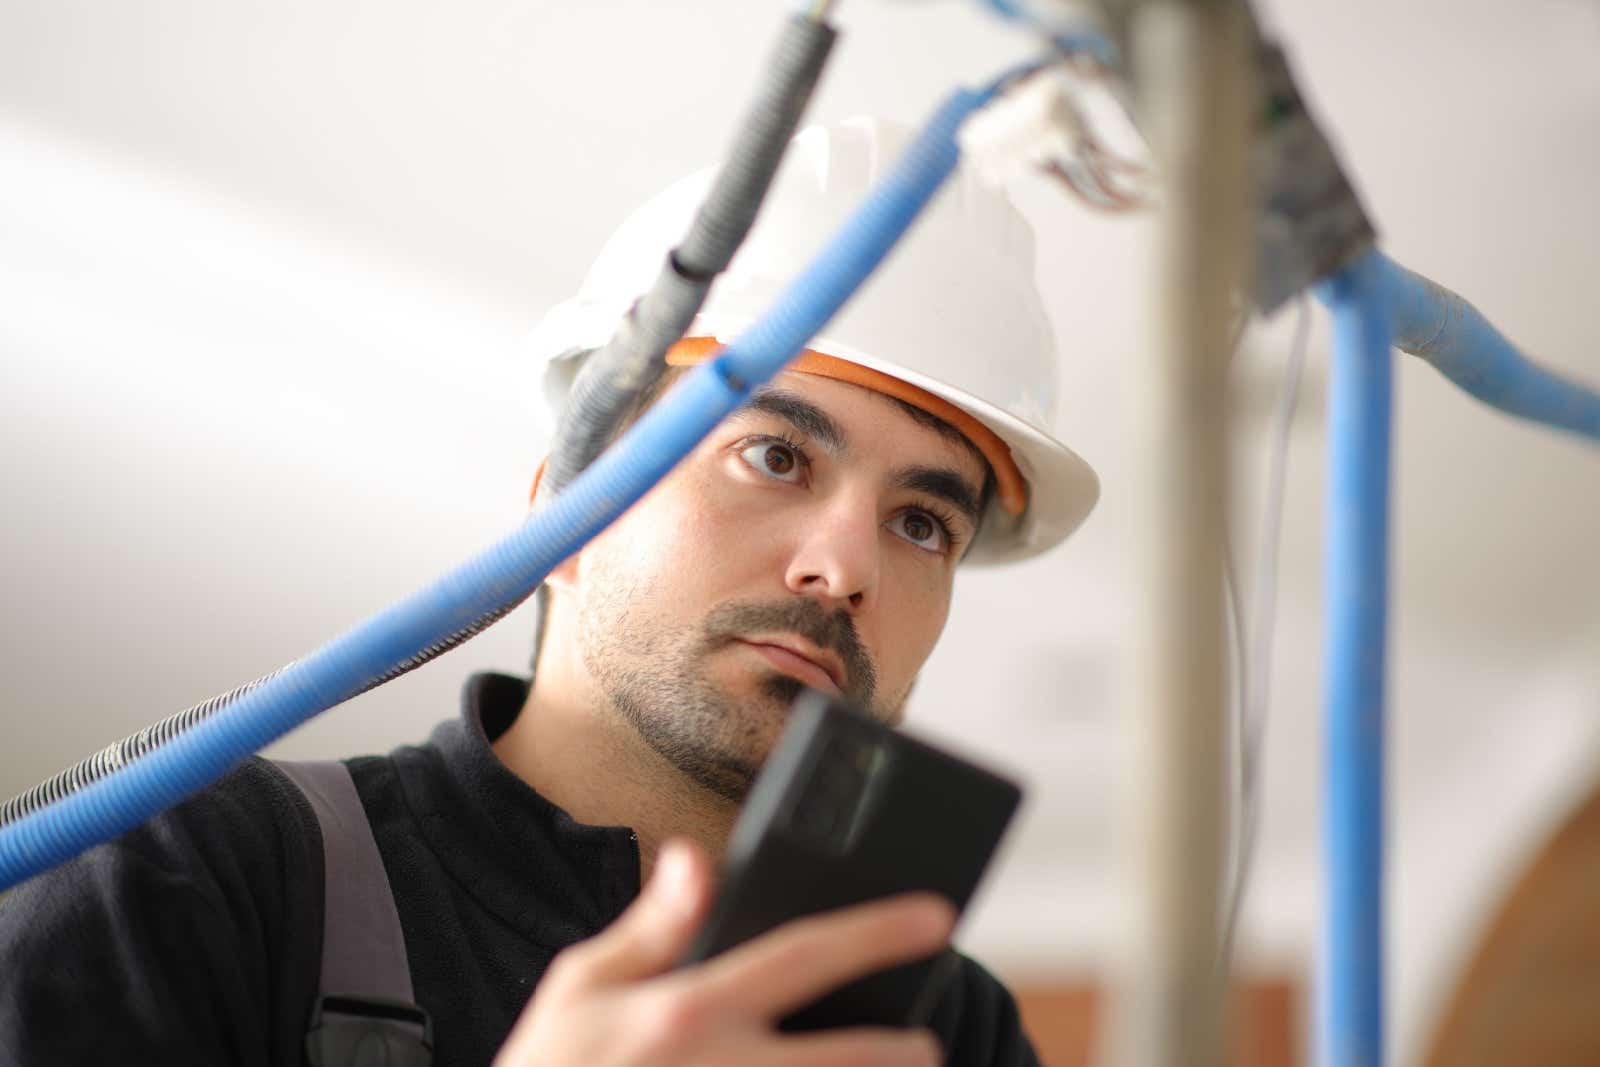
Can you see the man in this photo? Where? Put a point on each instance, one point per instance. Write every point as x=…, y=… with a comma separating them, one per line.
x=812, y=538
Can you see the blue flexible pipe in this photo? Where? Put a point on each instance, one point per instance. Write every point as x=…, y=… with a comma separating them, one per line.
x=1349, y=1031
x=1432, y=322
x=1375, y=303
x=508, y=571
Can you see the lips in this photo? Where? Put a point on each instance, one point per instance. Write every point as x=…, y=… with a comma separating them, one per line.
x=798, y=665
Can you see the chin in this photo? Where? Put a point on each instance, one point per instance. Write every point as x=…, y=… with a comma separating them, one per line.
x=764, y=712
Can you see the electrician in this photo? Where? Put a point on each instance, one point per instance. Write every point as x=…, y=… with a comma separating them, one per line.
x=812, y=538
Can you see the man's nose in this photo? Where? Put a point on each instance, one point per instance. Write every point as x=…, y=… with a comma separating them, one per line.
x=836, y=558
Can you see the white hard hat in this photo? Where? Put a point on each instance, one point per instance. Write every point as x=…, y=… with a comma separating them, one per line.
x=953, y=313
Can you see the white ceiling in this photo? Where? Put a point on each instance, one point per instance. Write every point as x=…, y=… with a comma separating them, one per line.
x=263, y=268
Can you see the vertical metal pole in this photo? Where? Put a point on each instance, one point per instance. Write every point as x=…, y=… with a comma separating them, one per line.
x=1349, y=1030
x=1192, y=76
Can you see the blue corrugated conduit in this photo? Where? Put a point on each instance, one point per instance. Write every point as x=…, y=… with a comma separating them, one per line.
x=1432, y=322
x=1375, y=303
x=511, y=569
x=1355, y=620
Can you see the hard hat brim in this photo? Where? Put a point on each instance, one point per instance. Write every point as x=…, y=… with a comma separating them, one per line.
x=1062, y=487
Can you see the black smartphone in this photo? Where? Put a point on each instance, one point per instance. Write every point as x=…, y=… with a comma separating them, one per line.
x=848, y=810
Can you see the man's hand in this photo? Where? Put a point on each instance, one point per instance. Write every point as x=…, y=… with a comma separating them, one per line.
x=615, y=1001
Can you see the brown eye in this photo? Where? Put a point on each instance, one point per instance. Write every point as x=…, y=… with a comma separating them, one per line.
x=776, y=460
x=779, y=460
x=920, y=529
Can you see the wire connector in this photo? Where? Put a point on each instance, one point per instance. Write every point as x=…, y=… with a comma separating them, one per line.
x=1024, y=129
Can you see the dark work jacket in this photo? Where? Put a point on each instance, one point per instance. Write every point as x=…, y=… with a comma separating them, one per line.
x=197, y=938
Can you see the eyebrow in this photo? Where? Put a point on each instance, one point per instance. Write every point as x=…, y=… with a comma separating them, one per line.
x=802, y=415
x=942, y=482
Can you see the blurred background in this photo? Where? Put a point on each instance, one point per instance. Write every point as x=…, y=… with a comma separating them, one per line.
x=265, y=269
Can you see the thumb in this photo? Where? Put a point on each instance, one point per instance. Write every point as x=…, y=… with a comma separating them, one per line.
x=655, y=930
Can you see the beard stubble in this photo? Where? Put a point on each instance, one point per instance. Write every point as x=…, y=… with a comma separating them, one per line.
x=657, y=678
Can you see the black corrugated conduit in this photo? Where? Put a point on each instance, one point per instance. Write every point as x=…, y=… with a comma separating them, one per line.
x=631, y=362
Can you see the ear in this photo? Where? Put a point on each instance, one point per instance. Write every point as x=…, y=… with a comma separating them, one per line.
x=564, y=576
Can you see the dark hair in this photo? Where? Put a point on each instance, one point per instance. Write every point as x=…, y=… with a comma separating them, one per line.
x=654, y=391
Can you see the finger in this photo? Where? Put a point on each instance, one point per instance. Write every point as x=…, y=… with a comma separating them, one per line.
x=799, y=961
x=649, y=937
x=859, y=1046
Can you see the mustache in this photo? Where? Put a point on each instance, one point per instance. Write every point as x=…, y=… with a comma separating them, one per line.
x=835, y=632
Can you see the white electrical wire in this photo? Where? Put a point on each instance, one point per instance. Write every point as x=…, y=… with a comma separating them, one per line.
x=1237, y=644
x=1250, y=689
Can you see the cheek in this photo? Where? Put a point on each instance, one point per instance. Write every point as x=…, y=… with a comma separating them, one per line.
x=911, y=618
x=693, y=533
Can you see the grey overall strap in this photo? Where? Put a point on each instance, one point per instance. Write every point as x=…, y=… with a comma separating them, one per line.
x=365, y=1009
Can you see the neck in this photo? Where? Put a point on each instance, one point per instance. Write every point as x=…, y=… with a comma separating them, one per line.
x=576, y=751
